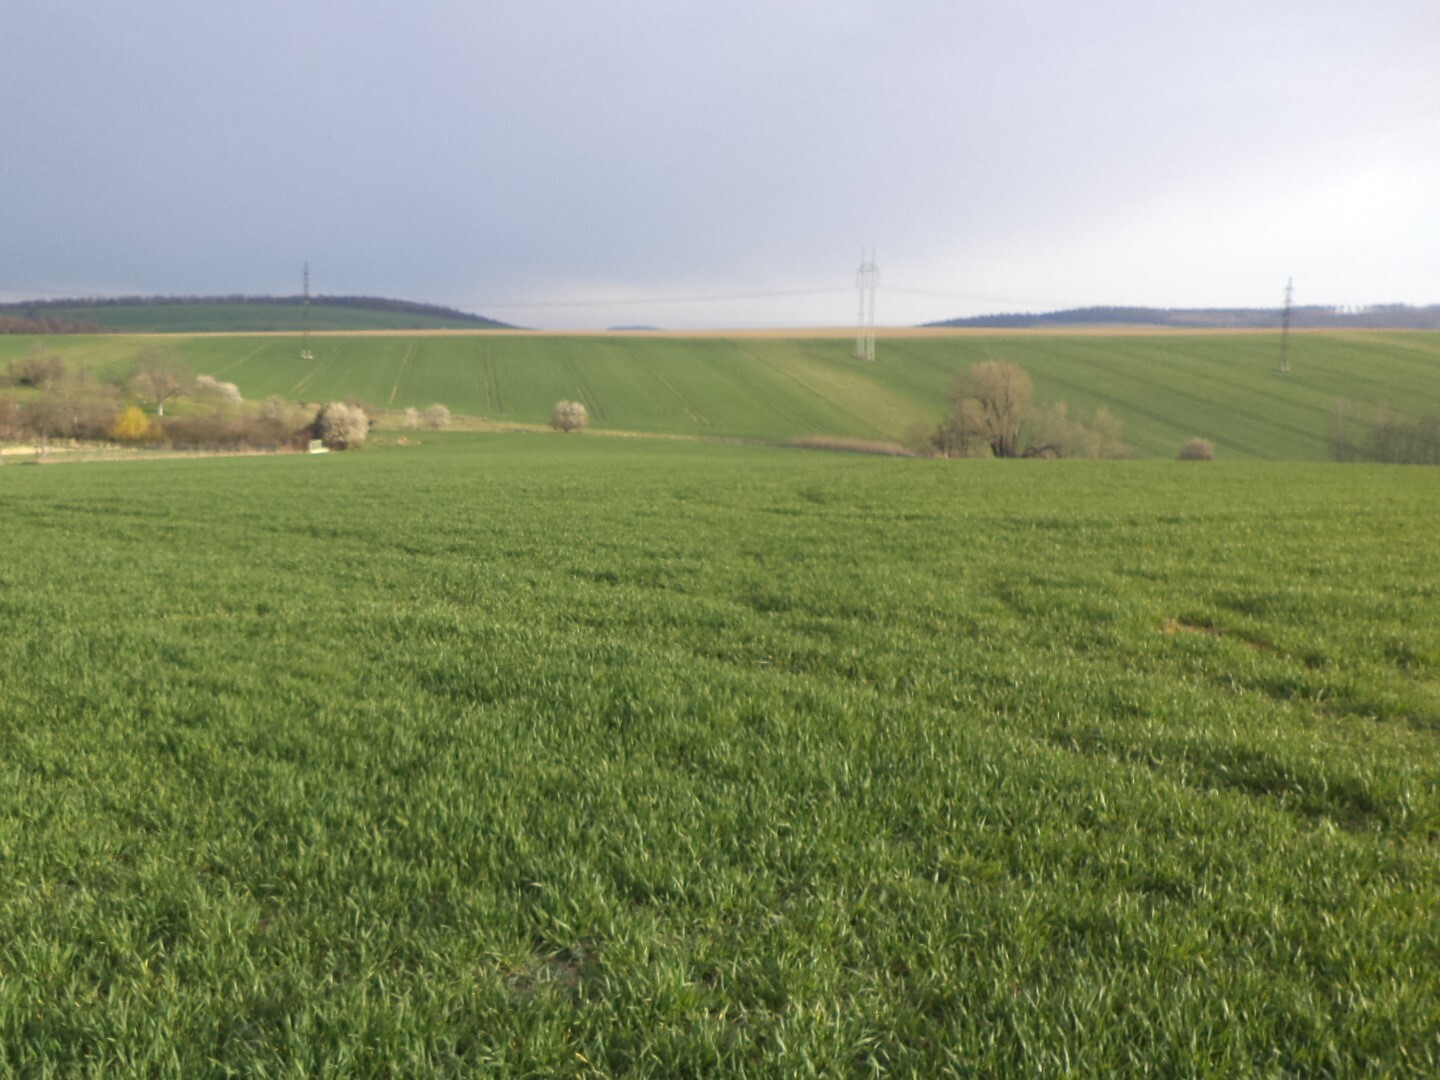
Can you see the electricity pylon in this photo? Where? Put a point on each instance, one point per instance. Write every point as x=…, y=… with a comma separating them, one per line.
x=1284, y=367
x=866, y=280
x=305, y=353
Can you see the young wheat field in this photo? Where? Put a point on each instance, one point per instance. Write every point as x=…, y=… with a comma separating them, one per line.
x=1165, y=387
x=547, y=755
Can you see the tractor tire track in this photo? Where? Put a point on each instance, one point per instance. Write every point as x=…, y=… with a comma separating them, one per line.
x=404, y=367
x=324, y=366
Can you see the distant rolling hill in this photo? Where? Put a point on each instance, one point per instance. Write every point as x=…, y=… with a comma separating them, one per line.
x=1167, y=386
x=1375, y=317
x=231, y=314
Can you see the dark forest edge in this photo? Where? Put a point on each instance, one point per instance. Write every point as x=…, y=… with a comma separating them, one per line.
x=86, y=315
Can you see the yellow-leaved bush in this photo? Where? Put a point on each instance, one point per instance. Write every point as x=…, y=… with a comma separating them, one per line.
x=131, y=425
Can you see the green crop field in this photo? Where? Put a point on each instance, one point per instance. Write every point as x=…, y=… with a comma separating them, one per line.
x=1166, y=388
x=540, y=755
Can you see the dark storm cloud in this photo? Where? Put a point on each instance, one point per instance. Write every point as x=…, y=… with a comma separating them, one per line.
x=558, y=153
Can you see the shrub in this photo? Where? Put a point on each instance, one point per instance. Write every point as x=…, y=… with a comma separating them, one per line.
x=226, y=393
x=1386, y=435
x=131, y=425
x=10, y=418
x=412, y=419
x=1397, y=439
x=437, y=416
x=1197, y=450
x=569, y=416
x=963, y=434
x=48, y=417
x=41, y=370
x=341, y=425
x=993, y=414
x=78, y=408
x=278, y=412
x=219, y=431
x=1340, y=423
x=1106, y=435
x=1059, y=434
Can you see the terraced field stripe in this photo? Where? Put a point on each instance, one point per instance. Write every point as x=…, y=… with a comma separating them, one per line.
x=1178, y=383
x=862, y=421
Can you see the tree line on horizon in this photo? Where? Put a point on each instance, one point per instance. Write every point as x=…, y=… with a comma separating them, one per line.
x=35, y=310
x=46, y=324
x=1309, y=317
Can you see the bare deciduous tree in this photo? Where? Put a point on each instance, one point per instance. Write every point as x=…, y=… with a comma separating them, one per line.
x=85, y=408
x=437, y=416
x=993, y=412
x=44, y=418
x=1401, y=439
x=1003, y=394
x=159, y=375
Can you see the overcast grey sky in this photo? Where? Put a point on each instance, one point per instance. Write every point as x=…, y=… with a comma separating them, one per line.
x=579, y=164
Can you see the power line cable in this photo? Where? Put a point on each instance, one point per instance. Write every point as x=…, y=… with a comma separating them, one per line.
x=488, y=304
x=1024, y=302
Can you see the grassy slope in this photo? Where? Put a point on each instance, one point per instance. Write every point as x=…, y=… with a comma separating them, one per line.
x=583, y=756
x=222, y=318
x=1167, y=388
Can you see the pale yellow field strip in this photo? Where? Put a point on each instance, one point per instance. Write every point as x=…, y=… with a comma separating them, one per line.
x=810, y=332
x=824, y=384
x=1419, y=346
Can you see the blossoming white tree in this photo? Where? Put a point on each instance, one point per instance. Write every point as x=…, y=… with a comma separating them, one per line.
x=569, y=416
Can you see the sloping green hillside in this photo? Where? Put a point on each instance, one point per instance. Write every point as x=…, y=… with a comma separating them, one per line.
x=1166, y=387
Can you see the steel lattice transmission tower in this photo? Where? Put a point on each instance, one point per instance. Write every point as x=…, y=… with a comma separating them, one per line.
x=866, y=280
x=305, y=353
x=1284, y=367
